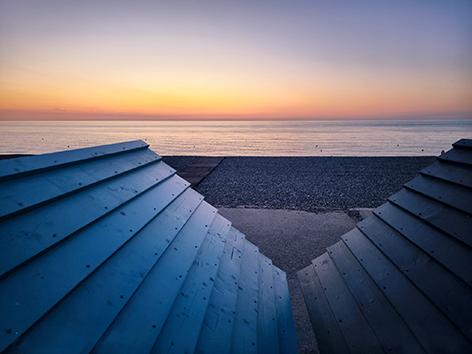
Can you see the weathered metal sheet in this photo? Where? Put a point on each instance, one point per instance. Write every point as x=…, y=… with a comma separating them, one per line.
x=451, y=172
x=358, y=335
x=463, y=143
x=446, y=250
x=122, y=274
x=244, y=337
x=382, y=317
x=449, y=220
x=35, y=231
x=424, y=272
x=267, y=321
x=407, y=267
x=287, y=336
x=138, y=325
x=15, y=195
x=192, y=301
x=460, y=156
x=450, y=194
x=325, y=325
x=105, y=249
x=54, y=274
x=430, y=326
x=219, y=317
x=21, y=165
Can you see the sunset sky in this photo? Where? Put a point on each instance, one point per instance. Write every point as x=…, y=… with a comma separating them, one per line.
x=69, y=59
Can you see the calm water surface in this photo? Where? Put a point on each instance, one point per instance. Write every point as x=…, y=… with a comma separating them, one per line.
x=231, y=138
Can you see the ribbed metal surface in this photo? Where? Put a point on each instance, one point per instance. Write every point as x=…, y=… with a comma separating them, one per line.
x=401, y=281
x=106, y=249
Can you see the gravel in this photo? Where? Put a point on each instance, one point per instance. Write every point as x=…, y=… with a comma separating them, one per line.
x=308, y=183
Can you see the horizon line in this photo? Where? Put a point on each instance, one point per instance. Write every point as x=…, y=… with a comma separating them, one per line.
x=34, y=115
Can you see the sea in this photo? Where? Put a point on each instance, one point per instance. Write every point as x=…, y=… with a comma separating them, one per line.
x=242, y=138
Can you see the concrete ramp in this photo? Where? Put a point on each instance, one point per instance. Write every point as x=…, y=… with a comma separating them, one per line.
x=106, y=249
x=401, y=280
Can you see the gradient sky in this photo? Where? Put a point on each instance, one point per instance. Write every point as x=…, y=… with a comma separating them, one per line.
x=69, y=59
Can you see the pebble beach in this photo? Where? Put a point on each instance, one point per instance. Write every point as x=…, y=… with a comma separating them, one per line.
x=304, y=183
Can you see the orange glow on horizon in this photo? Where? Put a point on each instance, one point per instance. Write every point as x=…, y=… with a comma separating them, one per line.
x=326, y=94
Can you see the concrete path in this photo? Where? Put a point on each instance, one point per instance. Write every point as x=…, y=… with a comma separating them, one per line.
x=196, y=171
x=292, y=239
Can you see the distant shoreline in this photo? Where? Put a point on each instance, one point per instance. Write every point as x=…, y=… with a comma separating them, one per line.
x=176, y=157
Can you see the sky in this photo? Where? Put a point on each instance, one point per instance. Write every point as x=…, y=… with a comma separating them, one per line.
x=69, y=59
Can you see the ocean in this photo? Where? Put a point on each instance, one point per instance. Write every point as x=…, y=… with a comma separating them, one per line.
x=242, y=138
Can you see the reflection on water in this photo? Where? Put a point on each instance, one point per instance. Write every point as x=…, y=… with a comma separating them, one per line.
x=230, y=138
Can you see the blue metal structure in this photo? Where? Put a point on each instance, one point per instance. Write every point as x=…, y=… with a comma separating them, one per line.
x=107, y=250
x=401, y=281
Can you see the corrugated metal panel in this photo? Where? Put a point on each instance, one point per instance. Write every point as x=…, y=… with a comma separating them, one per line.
x=106, y=249
x=401, y=281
